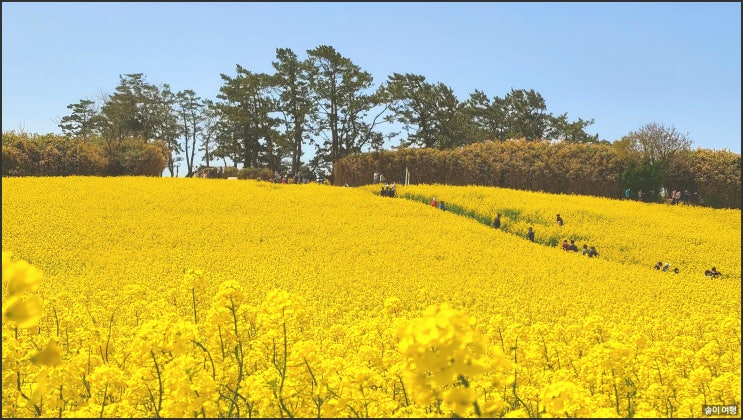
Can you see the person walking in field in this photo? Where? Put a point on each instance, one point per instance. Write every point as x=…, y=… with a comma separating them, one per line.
x=559, y=220
x=434, y=203
x=496, y=221
x=530, y=234
x=572, y=246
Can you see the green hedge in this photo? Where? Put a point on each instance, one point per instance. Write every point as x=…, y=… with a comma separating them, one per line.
x=54, y=155
x=560, y=168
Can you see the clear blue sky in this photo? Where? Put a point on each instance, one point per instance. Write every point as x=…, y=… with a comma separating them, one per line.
x=622, y=64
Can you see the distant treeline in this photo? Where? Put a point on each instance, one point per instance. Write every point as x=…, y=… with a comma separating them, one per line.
x=322, y=101
x=712, y=177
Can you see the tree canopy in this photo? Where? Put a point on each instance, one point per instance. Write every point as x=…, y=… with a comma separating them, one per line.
x=325, y=101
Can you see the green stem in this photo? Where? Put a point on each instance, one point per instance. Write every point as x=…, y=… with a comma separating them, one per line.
x=159, y=404
x=193, y=298
x=103, y=403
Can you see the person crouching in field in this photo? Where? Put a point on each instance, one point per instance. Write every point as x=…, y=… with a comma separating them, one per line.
x=712, y=273
x=589, y=251
x=592, y=252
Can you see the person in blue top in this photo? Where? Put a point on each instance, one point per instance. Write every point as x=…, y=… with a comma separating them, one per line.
x=530, y=234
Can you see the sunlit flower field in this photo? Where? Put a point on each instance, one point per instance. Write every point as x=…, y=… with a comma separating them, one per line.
x=147, y=297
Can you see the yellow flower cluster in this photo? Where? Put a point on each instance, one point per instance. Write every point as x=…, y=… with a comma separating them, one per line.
x=20, y=277
x=445, y=355
x=201, y=298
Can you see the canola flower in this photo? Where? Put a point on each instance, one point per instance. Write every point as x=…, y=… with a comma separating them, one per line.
x=149, y=297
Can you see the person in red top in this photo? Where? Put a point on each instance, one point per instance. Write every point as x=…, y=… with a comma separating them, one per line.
x=434, y=203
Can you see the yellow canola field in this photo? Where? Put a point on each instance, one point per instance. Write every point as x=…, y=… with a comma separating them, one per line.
x=690, y=238
x=144, y=297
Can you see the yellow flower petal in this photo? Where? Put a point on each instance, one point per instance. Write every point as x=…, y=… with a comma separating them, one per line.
x=50, y=355
x=26, y=313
